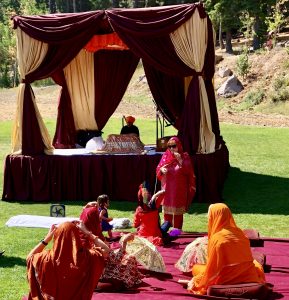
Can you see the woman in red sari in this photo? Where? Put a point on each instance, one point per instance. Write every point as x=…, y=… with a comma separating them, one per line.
x=90, y=218
x=68, y=270
x=176, y=173
x=120, y=270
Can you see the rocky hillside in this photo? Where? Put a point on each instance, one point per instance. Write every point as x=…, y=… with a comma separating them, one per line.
x=264, y=100
x=265, y=97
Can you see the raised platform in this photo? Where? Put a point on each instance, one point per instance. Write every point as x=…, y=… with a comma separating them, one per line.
x=76, y=175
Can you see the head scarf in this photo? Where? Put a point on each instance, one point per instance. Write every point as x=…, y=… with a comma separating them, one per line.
x=90, y=218
x=129, y=119
x=228, y=251
x=168, y=157
x=219, y=217
x=144, y=195
x=68, y=270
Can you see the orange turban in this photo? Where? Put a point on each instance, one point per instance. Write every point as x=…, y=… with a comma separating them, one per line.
x=129, y=119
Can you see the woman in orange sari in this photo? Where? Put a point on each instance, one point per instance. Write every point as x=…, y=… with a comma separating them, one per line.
x=230, y=259
x=69, y=270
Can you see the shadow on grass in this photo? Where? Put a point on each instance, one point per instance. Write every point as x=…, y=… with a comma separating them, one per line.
x=255, y=193
x=11, y=261
x=246, y=192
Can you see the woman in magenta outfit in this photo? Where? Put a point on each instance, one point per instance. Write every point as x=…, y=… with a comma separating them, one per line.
x=176, y=173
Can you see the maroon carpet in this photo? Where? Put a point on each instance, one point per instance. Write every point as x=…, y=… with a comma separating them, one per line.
x=164, y=286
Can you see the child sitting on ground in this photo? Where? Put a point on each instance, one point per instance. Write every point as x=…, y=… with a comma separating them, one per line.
x=103, y=204
x=146, y=218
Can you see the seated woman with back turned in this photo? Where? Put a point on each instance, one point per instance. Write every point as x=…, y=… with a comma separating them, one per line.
x=146, y=219
x=230, y=259
x=121, y=270
x=69, y=270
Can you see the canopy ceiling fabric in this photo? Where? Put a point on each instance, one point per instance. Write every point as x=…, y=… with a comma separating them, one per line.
x=152, y=34
x=181, y=81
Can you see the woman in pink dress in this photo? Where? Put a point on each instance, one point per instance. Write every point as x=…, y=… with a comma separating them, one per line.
x=176, y=173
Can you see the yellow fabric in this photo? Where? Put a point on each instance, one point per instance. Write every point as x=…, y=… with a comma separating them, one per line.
x=79, y=76
x=230, y=259
x=190, y=42
x=187, y=81
x=30, y=54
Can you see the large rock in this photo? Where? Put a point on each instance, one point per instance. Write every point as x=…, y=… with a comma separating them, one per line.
x=231, y=87
x=218, y=58
x=225, y=72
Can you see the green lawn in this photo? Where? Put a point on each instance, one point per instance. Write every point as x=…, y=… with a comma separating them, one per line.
x=256, y=190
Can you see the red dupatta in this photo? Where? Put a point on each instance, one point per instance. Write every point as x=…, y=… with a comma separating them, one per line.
x=90, y=218
x=168, y=157
x=67, y=271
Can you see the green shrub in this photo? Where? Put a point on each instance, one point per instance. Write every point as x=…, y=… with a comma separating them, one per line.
x=44, y=82
x=287, y=50
x=254, y=97
x=280, y=89
x=243, y=65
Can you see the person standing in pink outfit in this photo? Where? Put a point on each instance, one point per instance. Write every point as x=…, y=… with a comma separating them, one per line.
x=176, y=173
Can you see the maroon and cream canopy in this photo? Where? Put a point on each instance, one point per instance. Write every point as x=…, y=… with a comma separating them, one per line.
x=93, y=56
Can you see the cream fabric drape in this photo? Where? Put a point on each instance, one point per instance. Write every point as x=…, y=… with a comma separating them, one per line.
x=190, y=42
x=79, y=76
x=29, y=58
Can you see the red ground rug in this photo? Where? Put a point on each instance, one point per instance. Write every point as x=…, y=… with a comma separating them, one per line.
x=161, y=286
x=165, y=286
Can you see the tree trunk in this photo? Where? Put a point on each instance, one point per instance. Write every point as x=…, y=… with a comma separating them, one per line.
x=222, y=46
x=135, y=3
x=115, y=3
x=139, y=3
x=229, y=48
x=256, y=37
x=67, y=6
x=74, y=6
x=52, y=6
x=150, y=3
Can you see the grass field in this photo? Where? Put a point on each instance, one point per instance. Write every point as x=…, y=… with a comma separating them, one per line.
x=257, y=190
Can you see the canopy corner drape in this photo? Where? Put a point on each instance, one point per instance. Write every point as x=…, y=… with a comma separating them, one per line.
x=89, y=53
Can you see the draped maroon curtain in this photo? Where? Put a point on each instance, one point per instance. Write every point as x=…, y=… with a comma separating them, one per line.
x=189, y=130
x=32, y=142
x=60, y=28
x=66, y=35
x=168, y=93
x=112, y=71
x=64, y=137
x=146, y=32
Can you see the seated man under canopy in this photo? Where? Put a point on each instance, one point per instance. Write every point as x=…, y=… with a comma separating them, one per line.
x=129, y=127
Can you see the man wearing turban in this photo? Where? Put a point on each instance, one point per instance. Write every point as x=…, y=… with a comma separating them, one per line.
x=129, y=127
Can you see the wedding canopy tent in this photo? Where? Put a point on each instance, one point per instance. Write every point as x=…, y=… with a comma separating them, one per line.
x=93, y=55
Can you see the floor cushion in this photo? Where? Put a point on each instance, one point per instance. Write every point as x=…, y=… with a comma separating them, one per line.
x=242, y=290
x=254, y=237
